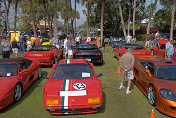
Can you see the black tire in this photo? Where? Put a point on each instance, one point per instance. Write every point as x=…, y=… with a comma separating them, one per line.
x=151, y=95
x=152, y=52
x=101, y=61
x=17, y=92
x=39, y=72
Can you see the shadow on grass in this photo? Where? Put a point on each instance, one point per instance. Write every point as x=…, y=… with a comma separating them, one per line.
x=103, y=107
x=99, y=64
x=45, y=75
x=126, y=84
x=24, y=96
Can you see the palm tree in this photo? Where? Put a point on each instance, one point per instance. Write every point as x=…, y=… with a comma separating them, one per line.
x=129, y=17
x=76, y=1
x=15, y=16
x=71, y=18
x=55, y=18
x=134, y=11
x=122, y=21
x=150, y=16
x=66, y=17
x=172, y=20
x=7, y=14
x=102, y=12
x=33, y=19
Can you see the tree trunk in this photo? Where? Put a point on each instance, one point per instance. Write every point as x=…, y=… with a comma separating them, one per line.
x=15, y=16
x=172, y=21
x=75, y=18
x=150, y=16
x=88, y=18
x=134, y=12
x=120, y=8
x=33, y=19
x=71, y=17
x=55, y=19
x=67, y=24
x=102, y=12
x=40, y=28
x=48, y=17
x=7, y=15
x=129, y=18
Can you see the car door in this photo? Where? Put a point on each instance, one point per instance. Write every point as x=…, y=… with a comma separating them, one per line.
x=58, y=52
x=24, y=75
x=147, y=75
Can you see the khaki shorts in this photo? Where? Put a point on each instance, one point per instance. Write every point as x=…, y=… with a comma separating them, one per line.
x=129, y=74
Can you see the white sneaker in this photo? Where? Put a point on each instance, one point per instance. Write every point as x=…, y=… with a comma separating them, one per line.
x=128, y=92
x=121, y=87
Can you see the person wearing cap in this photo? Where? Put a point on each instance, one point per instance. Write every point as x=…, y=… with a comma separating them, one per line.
x=126, y=65
x=169, y=49
x=5, y=48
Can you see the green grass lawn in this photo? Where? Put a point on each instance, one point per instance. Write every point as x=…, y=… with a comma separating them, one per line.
x=116, y=104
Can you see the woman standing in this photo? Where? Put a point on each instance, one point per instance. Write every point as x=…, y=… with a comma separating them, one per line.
x=15, y=48
x=5, y=48
x=29, y=44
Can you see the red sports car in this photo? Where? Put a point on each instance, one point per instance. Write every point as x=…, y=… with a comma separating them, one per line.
x=73, y=88
x=16, y=75
x=137, y=50
x=160, y=50
x=46, y=54
x=93, y=41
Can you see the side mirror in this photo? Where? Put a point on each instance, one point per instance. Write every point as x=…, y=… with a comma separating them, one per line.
x=100, y=74
x=148, y=72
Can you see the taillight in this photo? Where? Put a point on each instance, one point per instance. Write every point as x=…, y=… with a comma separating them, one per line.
x=98, y=54
x=78, y=54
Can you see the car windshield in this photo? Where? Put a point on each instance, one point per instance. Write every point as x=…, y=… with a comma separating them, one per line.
x=72, y=71
x=46, y=41
x=93, y=39
x=7, y=70
x=42, y=48
x=87, y=47
x=166, y=72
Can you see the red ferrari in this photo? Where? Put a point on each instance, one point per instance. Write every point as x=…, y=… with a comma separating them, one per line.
x=93, y=41
x=46, y=54
x=137, y=50
x=16, y=75
x=73, y=88
x=160, y=50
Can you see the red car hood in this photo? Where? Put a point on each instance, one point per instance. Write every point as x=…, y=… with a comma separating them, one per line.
x=166, y=84
x=6, y=85
x=141, y=52
x=84, y=88
x=35, y=54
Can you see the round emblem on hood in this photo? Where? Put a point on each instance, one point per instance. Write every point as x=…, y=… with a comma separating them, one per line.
x=79, y=86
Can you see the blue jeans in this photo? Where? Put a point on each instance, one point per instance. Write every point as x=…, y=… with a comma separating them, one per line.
x=23, y=47
x=152, y=44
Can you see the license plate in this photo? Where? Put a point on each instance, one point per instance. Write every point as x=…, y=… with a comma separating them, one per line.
x=88, y=59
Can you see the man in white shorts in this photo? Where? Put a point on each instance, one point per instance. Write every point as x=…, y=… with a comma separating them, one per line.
x=129, y=38
x=126, y=64
x=69, y=48
x=65, y=47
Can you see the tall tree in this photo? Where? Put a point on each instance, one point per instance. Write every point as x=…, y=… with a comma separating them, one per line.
x=122, y=21
x=15, y=16
x=55, y=18
x=102, y=12
x=33, y=19
x=66, y=19
x=150, y=16
x=129, y=17
x=172, y=21
x=7, y=7
x=134, y=12
x=76, y=1
x=71, y=18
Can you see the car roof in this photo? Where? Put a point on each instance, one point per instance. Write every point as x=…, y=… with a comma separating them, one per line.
x=72, y=61
x=47, y=46
x=87, y=46
x=129, y=45
x=14, y=60
x=156, y=60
